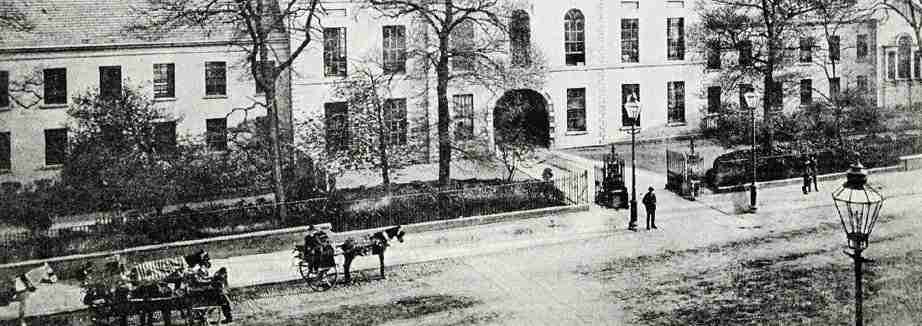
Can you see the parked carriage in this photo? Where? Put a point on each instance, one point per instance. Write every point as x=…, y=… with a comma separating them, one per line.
x=316, y=258
x=117, y=292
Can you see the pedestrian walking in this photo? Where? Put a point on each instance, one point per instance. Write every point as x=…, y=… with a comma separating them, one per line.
x=815, y=166
x=649, y=203
x=807, y=176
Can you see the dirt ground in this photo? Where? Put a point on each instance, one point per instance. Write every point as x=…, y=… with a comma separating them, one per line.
x=787, y=268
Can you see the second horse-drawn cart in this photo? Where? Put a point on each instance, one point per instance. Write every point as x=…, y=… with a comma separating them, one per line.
x=316, y=258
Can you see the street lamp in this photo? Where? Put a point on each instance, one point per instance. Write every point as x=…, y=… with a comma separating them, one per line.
x=858, y=207
x=633, y=112
x=751, y=102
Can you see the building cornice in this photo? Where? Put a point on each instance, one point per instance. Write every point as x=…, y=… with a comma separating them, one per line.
x=127, y=46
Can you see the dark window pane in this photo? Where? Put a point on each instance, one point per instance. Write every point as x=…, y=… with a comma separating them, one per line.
x=891, y=65
x=55, y=146
x=714, y=94
x=574, y=39
x=834, y=87
x=334, y=52
x=713, y=56
x=576, y=109
x=463, y=46
x=110, y=82
x=337, y=126
x=862, y=46
x=744, y=88
x=464, y=116
x=395, y=120
x=5, y=152
x=862, y=83
x=745, y=53
x=834, y=47
x=55, y=86
x=806, y=49
x=165, y=136
x=520, y=38
x=215, y=78
x=164, y=80
x=806, y=91
x=216, y=134
x=675, y=102
x=904, y=51
x=395, y=48
x=4, y=89
x=675, y=38
x=630, y=40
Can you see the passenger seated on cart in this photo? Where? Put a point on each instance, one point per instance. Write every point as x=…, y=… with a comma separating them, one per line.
x=318, y=251
x=210, y=289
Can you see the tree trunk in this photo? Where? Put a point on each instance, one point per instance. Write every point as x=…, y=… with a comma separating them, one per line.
x=444, y=118
x=272, y=112
x=382, y=152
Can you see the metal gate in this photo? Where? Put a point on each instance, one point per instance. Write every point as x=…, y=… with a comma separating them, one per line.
x=683, y=173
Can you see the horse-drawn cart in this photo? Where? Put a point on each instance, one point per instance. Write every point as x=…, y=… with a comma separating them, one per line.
x=316, y=259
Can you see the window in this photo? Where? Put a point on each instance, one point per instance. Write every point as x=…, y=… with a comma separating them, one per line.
x=6, y=162
x=745, y=88
x=675, y=101
x=775, y=96
x=745, y=53
x=806, y=49
x=714, y=94
x=576, y=109
x=336, y=118
x=834, y=87
x=110, y=82
x=675, y=38
x=267, y=69
x=55, y=146
x=395, y=48
x=55, y=85
x=164, y=80
x=806, y=91
x=165, y=136
x=464, y=116
x=216, y=134
x=862, y=83
x=334, y=52
x=903, y=51
x=917, y=64
x=891, y=65
x=462, y=43
x=713, y=55
x=629, y=93
x=861, y=45
x=630, y=40
x=215, y=78
x=574, y=37
x=834, y=47
x=520, y=38
x=395, y=120
x=4, y=89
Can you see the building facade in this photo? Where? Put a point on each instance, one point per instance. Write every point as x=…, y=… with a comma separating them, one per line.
x=79, y=46
x=599, y=55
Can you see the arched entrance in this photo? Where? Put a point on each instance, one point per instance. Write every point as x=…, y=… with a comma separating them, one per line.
x=521, y=116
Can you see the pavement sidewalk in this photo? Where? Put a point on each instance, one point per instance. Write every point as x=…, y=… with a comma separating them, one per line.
x=677, y=216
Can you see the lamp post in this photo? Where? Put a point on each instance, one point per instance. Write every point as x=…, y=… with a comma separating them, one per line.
x=633, y=111
x=751, y=102
x=858, y=207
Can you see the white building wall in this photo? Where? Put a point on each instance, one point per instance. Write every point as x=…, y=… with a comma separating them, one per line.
x=190, y=105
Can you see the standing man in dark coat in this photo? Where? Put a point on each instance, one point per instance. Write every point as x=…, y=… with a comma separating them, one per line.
x=649, y=203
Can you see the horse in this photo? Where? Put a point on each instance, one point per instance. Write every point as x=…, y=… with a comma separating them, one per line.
x=374, y=244
x=20, y=287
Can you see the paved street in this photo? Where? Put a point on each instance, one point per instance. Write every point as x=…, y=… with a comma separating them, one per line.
x=599, y=232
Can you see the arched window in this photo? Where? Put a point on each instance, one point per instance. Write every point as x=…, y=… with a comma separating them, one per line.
x=574, y=38
x=904, y=50
x=520, y=38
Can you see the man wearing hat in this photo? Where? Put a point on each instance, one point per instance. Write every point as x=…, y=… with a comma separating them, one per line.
x=649, y=202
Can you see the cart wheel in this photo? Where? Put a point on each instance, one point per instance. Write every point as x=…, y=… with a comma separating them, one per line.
x=322, y=279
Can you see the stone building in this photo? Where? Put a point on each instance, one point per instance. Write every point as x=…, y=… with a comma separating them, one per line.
x=78, y=46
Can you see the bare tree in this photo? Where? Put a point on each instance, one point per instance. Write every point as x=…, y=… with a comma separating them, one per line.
x=464, y=41
x=257, y=27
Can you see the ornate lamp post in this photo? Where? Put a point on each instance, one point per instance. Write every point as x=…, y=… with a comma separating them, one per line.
x=858, y=207
x=751, y=101
x=633, y=111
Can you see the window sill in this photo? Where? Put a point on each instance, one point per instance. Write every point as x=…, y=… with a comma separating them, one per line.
x=6, y=108
x=576, y=133
x=53, y=106
x=54, y=167
x=676, y=124
x=214, y=97
x=6, y=171
x=164, y=99
x=628, y=128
